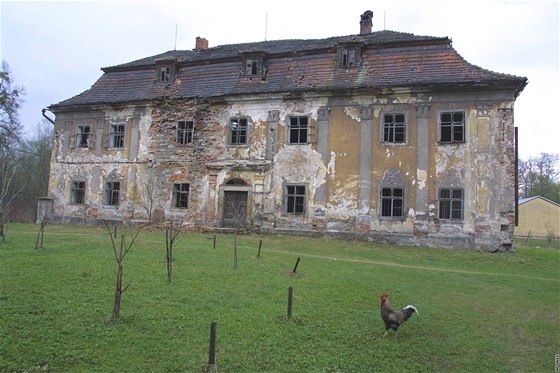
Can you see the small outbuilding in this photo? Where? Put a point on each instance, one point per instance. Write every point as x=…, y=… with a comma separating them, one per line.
x=538, y=218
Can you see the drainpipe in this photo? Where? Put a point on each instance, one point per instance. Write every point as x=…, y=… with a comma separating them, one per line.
x=49, y=119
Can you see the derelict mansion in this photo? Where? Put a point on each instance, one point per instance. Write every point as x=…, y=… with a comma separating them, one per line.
x=382, y=135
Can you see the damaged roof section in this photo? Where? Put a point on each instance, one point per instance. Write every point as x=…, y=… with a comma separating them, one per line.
x=387, y=59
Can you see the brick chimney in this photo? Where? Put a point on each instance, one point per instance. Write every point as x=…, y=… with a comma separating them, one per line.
x=365, y=22
x=201, y=43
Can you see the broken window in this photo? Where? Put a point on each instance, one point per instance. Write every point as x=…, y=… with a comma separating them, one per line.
x=185, y=132
x=297, y=130
x=451, y=203
x=238, y=131
x=181, y=195
x=116, y=136
x=251, y=66
x=112, y=193
x=394, y=128
x=77, y=192
x=165, y=74
x=392, y=202
x=82, y=136
x=347, y=57
x=452, y=127
x=294, y=199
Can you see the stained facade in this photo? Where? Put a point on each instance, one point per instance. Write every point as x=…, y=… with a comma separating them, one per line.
x=380, y=135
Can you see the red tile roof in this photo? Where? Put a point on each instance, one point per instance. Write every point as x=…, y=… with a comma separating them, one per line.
x=390, y=60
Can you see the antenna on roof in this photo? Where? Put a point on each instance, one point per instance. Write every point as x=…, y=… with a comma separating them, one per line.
x=266, y=26
x=176, y=26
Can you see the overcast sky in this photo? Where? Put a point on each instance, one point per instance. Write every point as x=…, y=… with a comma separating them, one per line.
x=56, y=49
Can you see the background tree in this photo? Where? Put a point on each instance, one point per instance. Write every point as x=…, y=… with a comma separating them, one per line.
x=538, y=176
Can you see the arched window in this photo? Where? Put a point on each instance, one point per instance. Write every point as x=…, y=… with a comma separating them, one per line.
x=236, y=182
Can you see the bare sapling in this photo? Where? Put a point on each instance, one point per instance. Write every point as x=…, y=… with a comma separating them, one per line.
x=120, y=254
x=171, y=234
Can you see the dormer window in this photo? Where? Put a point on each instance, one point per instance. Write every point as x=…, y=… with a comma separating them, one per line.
x=165, y=74
x=253, y=64
x=348, y=56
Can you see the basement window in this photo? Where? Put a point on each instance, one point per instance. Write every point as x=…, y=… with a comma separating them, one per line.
x=77, y=192
x=394, y=128
x=238, y=131
x=452, y=127
x=185, y=132
x=294, y=199
x=451, y=203
x=181, y=195
x=297, y=130
x=83, y=136
x=112, y=193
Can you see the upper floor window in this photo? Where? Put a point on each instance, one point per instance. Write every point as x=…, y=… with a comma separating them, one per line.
x=181, y=195
x=112, y=193
x=238, y=131
x=116, y=136
x=394, y=128
x=185, y=132
x=294, y=199
x=77, y=192
x=347, y=57
x=452, y=127
x=251, y=66
x=83, y=136
x=165, y=74
x=451, y=203
x=297, y=130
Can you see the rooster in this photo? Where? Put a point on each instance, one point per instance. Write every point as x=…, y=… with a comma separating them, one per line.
x=393, y=319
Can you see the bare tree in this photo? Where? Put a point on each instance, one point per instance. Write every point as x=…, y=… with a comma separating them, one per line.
x=538, y=176
x=148, y=191
x=120, y=254
x=171, y=233
x=10, y=102
x=9, y=190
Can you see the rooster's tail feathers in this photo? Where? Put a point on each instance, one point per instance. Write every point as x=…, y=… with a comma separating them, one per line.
x=411, y=309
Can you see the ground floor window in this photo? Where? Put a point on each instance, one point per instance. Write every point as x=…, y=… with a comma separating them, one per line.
x=112, y=193
x=392, y=200
x=294, y=199
x=77, y=192
x=181, y=195
x=451, y=203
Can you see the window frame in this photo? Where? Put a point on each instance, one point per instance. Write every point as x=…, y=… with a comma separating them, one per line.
x=391, y=127
x=392, y=199
x=291, y=199
x=447, y=204
x=184, y=136
x=164, y=74
x=451, y=126
x=235, y=132
x=299, y=128
x=81, y=135
x=117, y=136
x=77, y=194
x=109, y=191
x=178, y=196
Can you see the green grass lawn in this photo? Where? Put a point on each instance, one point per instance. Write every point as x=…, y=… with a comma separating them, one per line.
x=479, y=312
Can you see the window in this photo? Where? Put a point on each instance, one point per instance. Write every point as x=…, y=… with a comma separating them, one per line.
x=294, y=199
x=347, y=57
x=82, y=136
x=116, y=136
x=452, y=127
x=112, y=193
x=181, y=195
x=251, y=66
x=392, y=202
x=185, y=131
x=77, y=192
x=394, y=128
x=297, y=130
x=451, y=203
x=238, y=131
x=165, y=74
